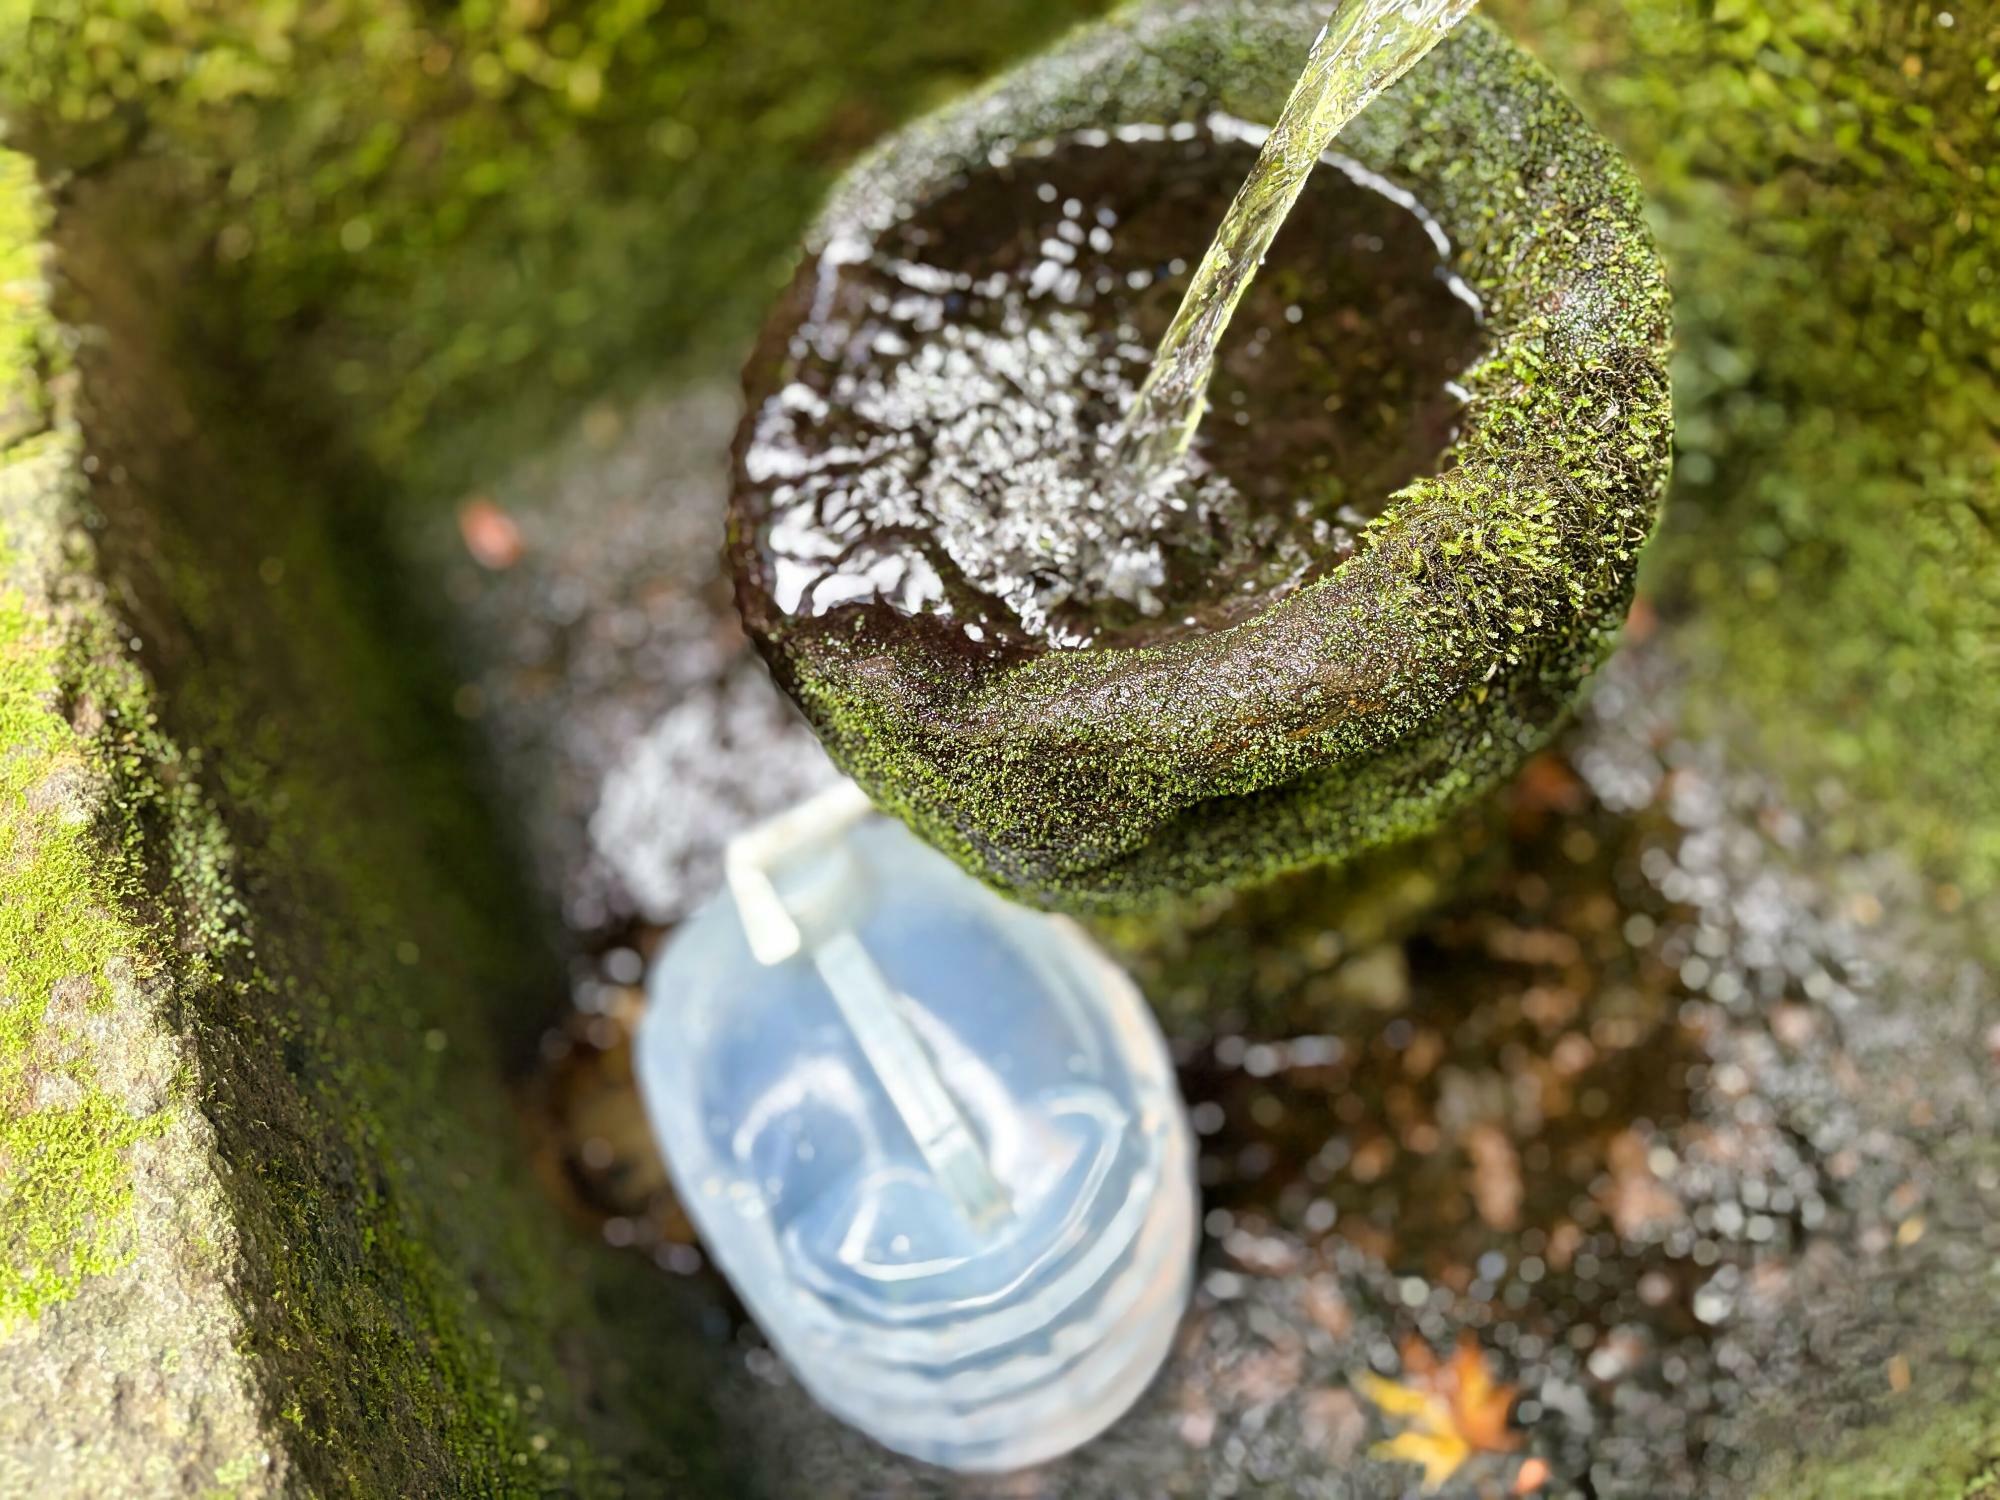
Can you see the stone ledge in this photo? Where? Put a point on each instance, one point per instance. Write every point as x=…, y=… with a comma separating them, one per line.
x=266, y=1219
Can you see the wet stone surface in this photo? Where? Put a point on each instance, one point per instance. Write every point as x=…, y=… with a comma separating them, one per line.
x=933, y=437
x=1668, y=1136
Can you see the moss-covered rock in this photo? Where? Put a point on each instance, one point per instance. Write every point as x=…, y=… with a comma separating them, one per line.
x=112, y=1221
x=1930, y=1452
x=1822, y=180
x=1360, y=708
x=1825, y=188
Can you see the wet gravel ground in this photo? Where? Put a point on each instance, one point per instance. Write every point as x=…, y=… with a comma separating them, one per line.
x=633, y=731
x=1668, y=1148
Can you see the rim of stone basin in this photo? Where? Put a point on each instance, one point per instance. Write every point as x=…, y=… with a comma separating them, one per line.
x=1363, y=706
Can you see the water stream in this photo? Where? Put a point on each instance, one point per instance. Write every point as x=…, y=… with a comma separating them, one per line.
x=1364, y=48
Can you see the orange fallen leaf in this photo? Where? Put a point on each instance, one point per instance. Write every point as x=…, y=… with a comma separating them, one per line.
x=1451, y=1410
x=1431, y=1443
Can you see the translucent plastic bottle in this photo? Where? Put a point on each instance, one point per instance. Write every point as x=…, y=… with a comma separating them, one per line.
x=932, y=1138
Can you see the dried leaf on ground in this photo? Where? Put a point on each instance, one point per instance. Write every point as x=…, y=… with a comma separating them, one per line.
x=1451, y=1410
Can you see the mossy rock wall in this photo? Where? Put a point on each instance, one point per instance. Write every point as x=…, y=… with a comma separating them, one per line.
x=1822, y=177
x=113, y=1225
x=264, y=1218
x=1822, y=180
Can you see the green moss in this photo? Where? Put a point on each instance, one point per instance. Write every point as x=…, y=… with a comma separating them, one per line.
x=1360, y=709
x=65, y=1189
x=1928, y=1452
x=226, y=792
x=399, y=1311
x=1822, y=176
x=23, y=322
x=65, y=1200
x=457, y=221
x=451, y=223
x=1822, y=180
x=65, y=1184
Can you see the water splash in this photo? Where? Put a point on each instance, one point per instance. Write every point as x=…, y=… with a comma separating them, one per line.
x=1362, y=50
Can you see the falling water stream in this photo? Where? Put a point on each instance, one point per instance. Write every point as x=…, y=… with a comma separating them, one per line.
x=1364, y=48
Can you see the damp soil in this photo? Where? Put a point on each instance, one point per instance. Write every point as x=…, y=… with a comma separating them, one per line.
x=931, y=414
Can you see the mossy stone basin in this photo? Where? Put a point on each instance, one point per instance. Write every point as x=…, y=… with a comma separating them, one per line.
x=1360, y=707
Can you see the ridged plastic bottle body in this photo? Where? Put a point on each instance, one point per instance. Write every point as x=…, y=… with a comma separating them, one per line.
x=981, y=1327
